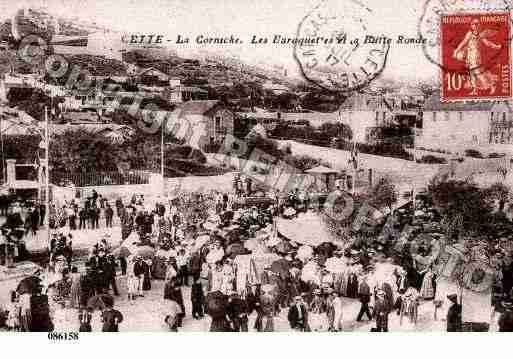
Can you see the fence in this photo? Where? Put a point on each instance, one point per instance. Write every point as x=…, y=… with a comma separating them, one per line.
x=99, y=178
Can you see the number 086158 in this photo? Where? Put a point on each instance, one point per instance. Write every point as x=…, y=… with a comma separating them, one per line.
x=64, y=336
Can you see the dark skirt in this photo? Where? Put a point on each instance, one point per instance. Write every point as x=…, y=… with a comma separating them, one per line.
x=219, y=325
x=146, y=282
x=85, y=328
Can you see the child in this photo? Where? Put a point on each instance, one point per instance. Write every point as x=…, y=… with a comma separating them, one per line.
x=13, y=319
x=132, y=283
x=84, y=317
x=197, y=299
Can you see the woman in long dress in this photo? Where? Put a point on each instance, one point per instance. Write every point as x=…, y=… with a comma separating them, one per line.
x=427, y=291
x=75, y=288
x=147, y=277
x=318, y=317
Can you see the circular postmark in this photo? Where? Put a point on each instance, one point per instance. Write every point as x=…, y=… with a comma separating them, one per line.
x=336, y=50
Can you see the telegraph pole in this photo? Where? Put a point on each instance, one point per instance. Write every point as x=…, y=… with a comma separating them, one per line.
x=162, y=157
x=47, y=177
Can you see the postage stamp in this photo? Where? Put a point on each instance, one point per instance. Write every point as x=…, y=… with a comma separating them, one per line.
x=475, y=54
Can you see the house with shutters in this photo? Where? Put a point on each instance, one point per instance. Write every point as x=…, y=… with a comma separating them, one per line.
x=200, y=123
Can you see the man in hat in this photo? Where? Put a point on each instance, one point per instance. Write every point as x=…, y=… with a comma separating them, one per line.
x=506, y=318
x=381, y=311
x=454, y=314
x=139, y=269
x=364, y=294
x=298, y=315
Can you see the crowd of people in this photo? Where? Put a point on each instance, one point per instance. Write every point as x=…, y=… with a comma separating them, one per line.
x=226, y=248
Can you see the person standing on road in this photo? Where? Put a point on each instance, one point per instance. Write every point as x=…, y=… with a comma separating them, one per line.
x=381, y=311
x=365, y=295
x=109, y=214
x=454, y=314
x=298, y=315
x=111, y=318
x=506, y=318
x=110, y=274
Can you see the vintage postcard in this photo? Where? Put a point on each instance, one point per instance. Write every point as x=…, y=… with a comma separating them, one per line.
x=241, y=166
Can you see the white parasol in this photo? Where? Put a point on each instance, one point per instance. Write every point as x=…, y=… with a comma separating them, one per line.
x=304, y=253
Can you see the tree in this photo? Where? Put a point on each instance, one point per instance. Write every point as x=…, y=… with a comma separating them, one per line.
x=383, y=194
x=497, y=193
x=461, y=204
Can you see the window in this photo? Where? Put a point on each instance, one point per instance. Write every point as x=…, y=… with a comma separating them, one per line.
x=446, y=116
x=460, y=116
x=434, y=116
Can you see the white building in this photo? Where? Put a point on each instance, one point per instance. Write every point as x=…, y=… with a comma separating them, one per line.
x=455, y=126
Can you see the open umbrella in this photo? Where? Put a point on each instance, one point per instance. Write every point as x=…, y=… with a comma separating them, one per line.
x=100, y=301
x=283, y=247
x=304, y=252
x=121, y=252
x=281, y=267
x=326, y=249
x=29, y=285
x=335, y=265
x=145, y=252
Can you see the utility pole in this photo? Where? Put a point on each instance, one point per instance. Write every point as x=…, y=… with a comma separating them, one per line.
x=162, y=157
x=414, y=191
x=47, y=177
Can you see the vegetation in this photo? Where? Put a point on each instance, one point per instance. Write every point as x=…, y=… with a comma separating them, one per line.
x=468, y=210
x=430, y=159
x=473, y=153
x=383, y=194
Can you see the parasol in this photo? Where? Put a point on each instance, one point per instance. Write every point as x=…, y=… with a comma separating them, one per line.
x=29, y=285
x=326, y=249
x=281, y=267
x=335, y=265
x=121, y=252
x=100, y=301
x=310, y=272
x=145, y=252
x=304, y=252
x=283, y=247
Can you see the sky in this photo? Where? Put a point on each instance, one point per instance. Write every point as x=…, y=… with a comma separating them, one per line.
x=244, y=18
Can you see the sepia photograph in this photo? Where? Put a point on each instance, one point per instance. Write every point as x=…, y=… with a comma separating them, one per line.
x=239, y=166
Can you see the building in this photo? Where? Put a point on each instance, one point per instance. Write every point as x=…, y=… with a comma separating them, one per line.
x=501, y=124
x=177, y=93
x=367, y=113
x=201, y=123
x=152, y=76
x=458, y=126
x=268, y=120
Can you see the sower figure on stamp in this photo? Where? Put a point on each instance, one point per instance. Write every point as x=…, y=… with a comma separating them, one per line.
x=469, y=50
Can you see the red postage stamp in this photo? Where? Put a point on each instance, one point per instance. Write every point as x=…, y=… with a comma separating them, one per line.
x=475, y=54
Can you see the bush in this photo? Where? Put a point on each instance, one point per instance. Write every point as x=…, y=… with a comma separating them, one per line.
x=430, y=159
x=473, y=153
